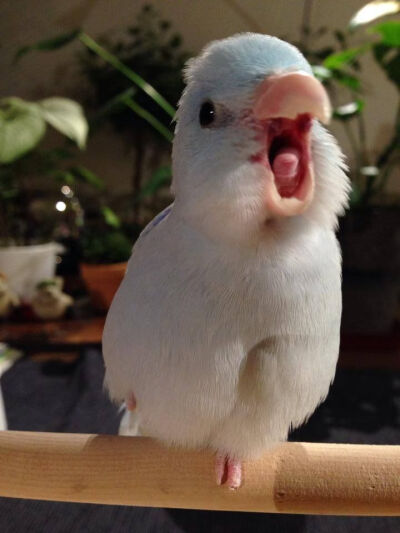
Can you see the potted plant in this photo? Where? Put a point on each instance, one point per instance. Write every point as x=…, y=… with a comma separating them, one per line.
x=370, y=231
x=27, y=248
x=153, y=50
x=106, y=248
x=123, y=96
x=132, y=78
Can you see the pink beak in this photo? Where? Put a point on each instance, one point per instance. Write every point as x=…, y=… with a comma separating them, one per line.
x=290, y=94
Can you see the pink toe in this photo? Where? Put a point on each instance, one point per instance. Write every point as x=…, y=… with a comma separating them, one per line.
x=130, y=402
x=220, y=462
x=234, y=478
x=228, y=471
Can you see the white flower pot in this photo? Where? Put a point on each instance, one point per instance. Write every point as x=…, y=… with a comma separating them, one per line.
x=26, y=266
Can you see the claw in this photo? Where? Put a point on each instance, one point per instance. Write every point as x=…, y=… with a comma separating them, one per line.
x=228, y=471
x=130, y=402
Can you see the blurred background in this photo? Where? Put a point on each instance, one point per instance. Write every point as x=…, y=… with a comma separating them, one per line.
x=87, y=94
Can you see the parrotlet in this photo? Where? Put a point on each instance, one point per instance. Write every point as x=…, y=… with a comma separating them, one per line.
x=224, y=333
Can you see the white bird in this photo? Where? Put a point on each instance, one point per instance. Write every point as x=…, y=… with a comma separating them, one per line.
x=225, y=331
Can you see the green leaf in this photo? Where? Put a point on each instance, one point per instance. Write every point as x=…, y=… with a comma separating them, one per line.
x=21, y=129
x=111, y=246
x=111, y=107
x=129, y=73
x=321, y=73
x=347, y=80
x=347, y=111
x=150, y=118
x=390, y=32
x=340, y=37
x=160, y=178
x=370, y=171
x=110, y=217
x=87, y=176
x=64, y=176
x=339, y=59
x=390, y=63
x=49, y=44
x=392, y=69
x=67, y=117
x=374, y=10
x=355, y=195
x=57, y=154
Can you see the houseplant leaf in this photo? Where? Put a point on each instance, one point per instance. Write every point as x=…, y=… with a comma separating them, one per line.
x=339, y=59
x=388, y=58
x=389, y=31
x=84, y=174
x=110, y=217
x=67, y=117
x=347, y=80
x=346, y=111
x=128, y=72
x=21, y=129
x=374, y=10
x=64, y=176
x=150, y=118
x=159, y=179
x=48, y=44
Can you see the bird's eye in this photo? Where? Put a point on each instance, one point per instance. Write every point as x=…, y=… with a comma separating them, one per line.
x=207, y=114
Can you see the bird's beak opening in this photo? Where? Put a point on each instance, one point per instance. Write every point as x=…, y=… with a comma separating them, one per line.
x=285, y=105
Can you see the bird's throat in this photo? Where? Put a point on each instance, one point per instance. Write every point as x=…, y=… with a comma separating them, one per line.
x=287, y=160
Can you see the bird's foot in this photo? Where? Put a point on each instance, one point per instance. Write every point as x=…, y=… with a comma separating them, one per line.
x=228, y=471
x=130, y=402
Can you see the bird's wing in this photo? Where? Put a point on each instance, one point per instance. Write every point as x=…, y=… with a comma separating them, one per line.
x=156, y=220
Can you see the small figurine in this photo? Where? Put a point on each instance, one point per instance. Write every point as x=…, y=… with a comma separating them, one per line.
x=8, y=298
x=49, y=302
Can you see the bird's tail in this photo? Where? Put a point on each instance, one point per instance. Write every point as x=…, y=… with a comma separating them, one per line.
x=129, y=425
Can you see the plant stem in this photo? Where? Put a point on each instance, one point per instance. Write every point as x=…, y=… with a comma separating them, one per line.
x=305, y=24
x=384, y=158
x=393, y=143
x=110, y=107
x=151, y=119
x=362, y=135
x=352, y=139
x=385, y=176
x=126, y=71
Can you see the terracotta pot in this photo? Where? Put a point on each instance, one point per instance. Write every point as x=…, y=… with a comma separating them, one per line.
x=102, y=282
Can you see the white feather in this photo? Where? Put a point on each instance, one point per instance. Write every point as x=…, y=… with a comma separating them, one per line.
x=226, y=329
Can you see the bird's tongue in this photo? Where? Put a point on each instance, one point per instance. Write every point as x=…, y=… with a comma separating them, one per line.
x=285, y=167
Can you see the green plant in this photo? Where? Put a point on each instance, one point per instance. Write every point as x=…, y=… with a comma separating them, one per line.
x=341, y=71
x=24, y=166
x=103, y=238
x=111, y=246
x=118, y=70
x=148, y=50
x=153, y=51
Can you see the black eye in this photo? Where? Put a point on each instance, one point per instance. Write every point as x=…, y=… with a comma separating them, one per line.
x=207, y=114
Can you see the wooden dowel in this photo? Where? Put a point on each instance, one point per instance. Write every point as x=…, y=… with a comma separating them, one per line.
x=342, y=479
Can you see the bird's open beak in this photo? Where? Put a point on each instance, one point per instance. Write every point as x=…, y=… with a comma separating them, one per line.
x=285, y=104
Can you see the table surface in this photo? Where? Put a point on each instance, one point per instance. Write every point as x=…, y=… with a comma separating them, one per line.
x=357, y=350
x=57, y=334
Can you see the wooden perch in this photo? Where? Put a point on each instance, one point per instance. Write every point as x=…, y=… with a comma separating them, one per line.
x=343, y=479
